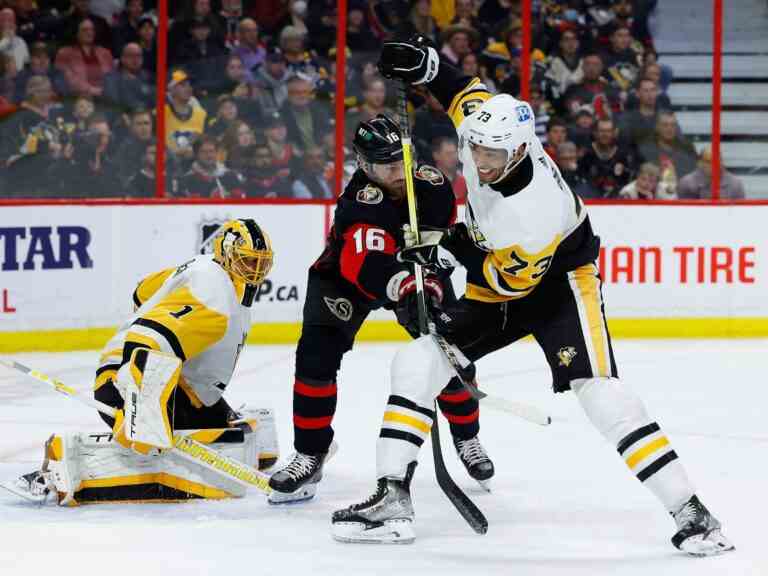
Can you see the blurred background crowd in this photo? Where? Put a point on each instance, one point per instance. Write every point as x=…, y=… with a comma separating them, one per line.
x=251, y=85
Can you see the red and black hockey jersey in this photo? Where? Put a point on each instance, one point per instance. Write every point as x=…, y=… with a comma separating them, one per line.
x=368, y=230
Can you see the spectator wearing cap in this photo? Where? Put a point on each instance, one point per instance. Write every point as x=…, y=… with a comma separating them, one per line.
x=305, y=118
x=184, y=116
x=202, y=55
x=10, y=43
x=249, y=48
x=420, y=21
x=271, y=79
x=698, y=184
x=261, y=179
x=68, y=28
x=208, y=177
x=197, y=11
x=647, y=185
x=85, y=64
x=670, y=150
x=622, y=62
x=133, y=146
x=311, y=182
x=129, y=86
x=148, y=42
x=593, y=90
x=445, y=155
x=40, y=65
x=608, y=166
x=565, y=66
x=227, y=112
x=567, y=160
x=276, y=137
x=127, y=27
x=457, y=41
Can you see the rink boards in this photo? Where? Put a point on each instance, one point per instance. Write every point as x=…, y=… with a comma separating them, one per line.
x=68, y=271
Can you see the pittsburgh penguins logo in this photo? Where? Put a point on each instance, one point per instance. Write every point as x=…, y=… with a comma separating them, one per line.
x=370, y=195
x=430, y=174
x=566, y=355
x=339, y=307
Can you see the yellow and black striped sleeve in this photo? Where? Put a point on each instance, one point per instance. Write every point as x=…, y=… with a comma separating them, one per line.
x=148, y=285
x=460, y=95
x=179, y=324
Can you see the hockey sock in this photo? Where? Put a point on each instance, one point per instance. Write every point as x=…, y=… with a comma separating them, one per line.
x=460, y=409
x=314, y=405
x=621, y=417
x=403, y=431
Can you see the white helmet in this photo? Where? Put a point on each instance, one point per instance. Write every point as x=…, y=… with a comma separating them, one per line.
x=503, y=122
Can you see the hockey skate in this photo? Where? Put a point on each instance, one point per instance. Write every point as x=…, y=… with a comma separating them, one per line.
x=475, y=460
x=386, y=517
x=298, y=480
x=698, y=531
x=35, y=486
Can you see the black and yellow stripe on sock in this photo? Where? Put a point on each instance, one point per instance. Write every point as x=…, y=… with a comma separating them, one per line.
x=646, y=451
x=406, y=420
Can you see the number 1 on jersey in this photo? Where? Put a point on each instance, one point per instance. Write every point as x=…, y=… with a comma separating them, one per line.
x=179, y=313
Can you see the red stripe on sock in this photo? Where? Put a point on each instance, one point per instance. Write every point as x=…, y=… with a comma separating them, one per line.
x=462, y=419
x=456, y=397
x=314, y=391
x=312, y=423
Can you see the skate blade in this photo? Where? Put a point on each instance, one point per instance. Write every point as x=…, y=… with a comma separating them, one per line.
x=390, y=532
x=485, y=484
x=306, y=492
x=710, y=544
x=23, y=494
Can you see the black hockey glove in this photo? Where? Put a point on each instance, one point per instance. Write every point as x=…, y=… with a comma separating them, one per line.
x=432, y=252
x=407, y=309
x=413, y=61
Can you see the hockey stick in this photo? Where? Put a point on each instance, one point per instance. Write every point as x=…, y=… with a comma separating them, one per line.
x=184, y=447
x=469, y=511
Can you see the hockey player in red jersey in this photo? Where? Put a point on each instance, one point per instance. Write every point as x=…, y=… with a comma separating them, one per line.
x=358, y=273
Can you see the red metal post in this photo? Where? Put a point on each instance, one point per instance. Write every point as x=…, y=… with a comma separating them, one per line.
x=341, y=67
x=717, y=74
x=162, y=74
x=525, y=57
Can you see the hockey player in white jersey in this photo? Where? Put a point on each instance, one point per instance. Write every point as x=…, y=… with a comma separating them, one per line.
x=529, y=252
x=174, y=358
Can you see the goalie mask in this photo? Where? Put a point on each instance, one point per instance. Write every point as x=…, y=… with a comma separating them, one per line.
x=379, y=152
x=498, y=136
x=244, y=250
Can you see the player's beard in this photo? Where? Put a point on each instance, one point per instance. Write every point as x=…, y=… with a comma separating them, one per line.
x=396, y=190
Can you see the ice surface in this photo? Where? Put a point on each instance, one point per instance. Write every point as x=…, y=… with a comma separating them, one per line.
x=563, y=501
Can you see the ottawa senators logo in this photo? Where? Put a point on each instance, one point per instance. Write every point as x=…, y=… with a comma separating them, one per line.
x=339, y=307
x=370, y=195
x=430, y=174
x=566, y=355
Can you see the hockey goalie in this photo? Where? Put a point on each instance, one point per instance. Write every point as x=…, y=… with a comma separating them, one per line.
x=165, y=372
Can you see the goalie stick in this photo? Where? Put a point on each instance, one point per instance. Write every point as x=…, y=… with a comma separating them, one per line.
x=468, y=510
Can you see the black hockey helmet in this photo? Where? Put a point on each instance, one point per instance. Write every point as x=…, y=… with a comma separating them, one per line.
x=377, y=141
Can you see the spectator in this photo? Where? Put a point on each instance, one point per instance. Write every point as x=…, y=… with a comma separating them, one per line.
x=360, y=37
x=133, y=147
x=305, y=118
x=622, y=63
x=127, y=28
x=276, y=135
x=147, y=33
x=565, y=68
x=608, y=165
x=593, y=90
x=445, y=153
x=420, y=21
x=207, y=177
x=82, y=109
x=93, y=172
x=662, y=101
x=249, y=48
x=40, y=65
x=502, y=59
x=69, y=27
x=297, y=58
x=698, y=184
x=227, y=112
x=33, y=23
x=85, y=64
x=236, y=147
x=663, y=76
x=233, y=83
x=568, y=162
x=557, y=133
x=669, y=150
x=465, y=14
x=470, y=65
x=580, y=132
x=195, y=12
x=141, y=184
x=184, y=117
x=10, y=43
x=430, y=122
x=321, y=19
x=639, y=125
x=271, y=79
x=457, y=42
x=311, y=181
x=261, y=180
x=373, y=104
x=647, y=185
x=541, y=110
x=295, y=16
x=129, y=86
x=202, y=56
x=8, y=77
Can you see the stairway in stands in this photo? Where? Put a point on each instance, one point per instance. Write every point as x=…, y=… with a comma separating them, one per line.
x=683, y=36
